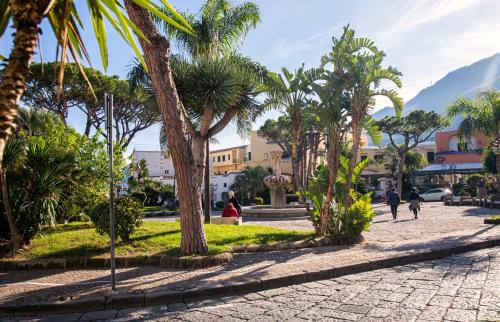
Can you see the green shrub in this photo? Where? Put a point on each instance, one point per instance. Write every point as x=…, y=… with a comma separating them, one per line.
x=219, y=204
x=139, y=196
x=359, y=218
x=258, y=201
x=128, y=216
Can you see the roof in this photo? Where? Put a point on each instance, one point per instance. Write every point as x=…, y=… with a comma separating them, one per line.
x=452, y=168
x=230, y=148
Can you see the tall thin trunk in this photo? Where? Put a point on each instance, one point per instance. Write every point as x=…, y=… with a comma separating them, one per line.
x=401, y=166
x=15, y=237
x=88, y=126
x=356, y=137
x=157, y=57
x=207, y=182
x=315, y=153
x=27, y=16
x=296, y=162
x=333, y=156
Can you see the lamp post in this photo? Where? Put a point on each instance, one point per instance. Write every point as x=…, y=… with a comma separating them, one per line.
x=108, y=107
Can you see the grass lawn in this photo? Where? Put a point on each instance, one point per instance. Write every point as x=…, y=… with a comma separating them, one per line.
x=81, y=240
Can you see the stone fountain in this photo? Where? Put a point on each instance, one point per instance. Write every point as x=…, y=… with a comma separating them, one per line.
x=277, y=184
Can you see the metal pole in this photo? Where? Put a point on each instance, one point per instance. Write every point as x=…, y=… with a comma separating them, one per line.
x=108, y=103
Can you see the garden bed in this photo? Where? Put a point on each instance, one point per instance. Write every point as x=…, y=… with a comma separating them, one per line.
x=79, y=245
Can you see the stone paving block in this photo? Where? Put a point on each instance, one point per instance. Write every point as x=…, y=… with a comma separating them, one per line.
x=99, y=315
x=441, y=300
x=176, y=307
x=163, y=297
x=379, y=312
x=465, y=303
x=461, y=315
x=433, y=313
x=121, y=301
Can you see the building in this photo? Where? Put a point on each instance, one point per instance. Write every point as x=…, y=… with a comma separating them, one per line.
x=230, y=160
x=160, y=167
x=260, y=152
x=450, y=149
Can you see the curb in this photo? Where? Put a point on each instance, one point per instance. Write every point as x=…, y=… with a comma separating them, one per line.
x=127, y=300
x=120, y=262
x=158, y=260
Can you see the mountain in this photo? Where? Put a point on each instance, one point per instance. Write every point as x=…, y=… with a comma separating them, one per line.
x=466, y=81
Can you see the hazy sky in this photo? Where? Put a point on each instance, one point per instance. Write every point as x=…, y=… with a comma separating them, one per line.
x=424, y=39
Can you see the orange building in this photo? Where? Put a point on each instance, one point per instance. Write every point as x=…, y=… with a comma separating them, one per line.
x=450, y=149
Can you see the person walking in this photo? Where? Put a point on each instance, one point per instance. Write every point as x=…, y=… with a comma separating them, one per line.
x=393, y=200
x=414, y=199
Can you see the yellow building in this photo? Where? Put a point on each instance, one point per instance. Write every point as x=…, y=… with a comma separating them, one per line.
x=376, y=154
x=261, y=154
x=230, y=160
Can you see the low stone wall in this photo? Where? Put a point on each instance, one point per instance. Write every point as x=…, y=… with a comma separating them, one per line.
x=268, y=212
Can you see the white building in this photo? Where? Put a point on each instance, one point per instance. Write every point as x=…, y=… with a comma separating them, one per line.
x=160, y=167
x=221, y=184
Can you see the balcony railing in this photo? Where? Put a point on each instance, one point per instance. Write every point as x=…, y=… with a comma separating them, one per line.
x=476, y=151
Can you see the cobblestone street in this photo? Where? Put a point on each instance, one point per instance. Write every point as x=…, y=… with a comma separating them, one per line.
x=463, y=287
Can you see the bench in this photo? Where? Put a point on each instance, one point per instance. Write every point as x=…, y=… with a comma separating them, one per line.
x=226, y=221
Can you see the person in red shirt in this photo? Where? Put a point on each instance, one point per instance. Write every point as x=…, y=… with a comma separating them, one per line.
x=229, y=210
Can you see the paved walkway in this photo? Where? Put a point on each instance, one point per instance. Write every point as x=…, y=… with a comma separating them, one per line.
x=463, y=287
x=437, y=227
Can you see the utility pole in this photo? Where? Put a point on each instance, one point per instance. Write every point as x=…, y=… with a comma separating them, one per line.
x=108, y=107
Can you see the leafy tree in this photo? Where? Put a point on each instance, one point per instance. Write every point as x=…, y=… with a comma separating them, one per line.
x=64, y=19
x=277, y=132
x=415, y=128
x=140, y=169
x=47, y=170
x=250, y=182
x=134, y=108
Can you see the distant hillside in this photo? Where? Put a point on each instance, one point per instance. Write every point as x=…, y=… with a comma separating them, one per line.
x=466, y=81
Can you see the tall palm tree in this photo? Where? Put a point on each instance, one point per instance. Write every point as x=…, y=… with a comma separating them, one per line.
x=187, y=142
x=367, y=75
x=289, y=93
x=66, y=25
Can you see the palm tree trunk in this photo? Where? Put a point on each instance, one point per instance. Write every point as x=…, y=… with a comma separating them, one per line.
x=27, y=16
x=356, y=138
x=207, y=182
x=15, y=237
x=157, y=57
x=295, y=162
x=334, y=148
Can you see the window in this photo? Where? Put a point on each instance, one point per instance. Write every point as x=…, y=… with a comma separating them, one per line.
x=378, y=157
x=225, y=172
x=214, y=159
x=430, y=156
x=229, y=157
x=167, y=171
x=218, y=158
x=223, y=158
x=249, y=156
x=225, y=185
x=364, y=157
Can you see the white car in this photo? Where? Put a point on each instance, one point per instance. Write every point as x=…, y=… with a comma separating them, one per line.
x=437, y=194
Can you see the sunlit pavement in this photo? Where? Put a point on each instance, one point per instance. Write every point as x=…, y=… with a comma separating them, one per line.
x=463, y=287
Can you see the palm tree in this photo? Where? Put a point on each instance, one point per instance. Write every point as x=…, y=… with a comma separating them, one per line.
x=481, y=114
x=14, y=153
x=289, y=93
x=367, y=74
x=65, y=22
x=174, y=84
x=251, y=181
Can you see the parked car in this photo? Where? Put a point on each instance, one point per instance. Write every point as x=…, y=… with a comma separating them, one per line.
x=437, y=194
